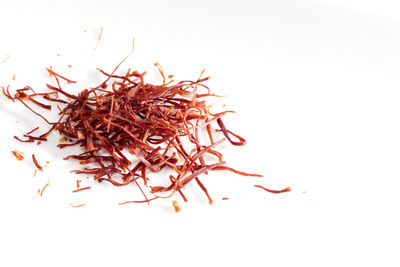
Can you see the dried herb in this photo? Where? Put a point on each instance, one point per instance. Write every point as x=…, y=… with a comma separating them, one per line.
x=157, y=124
x=77, y=206
x=176, y=206
x=81, y=189
x=40, y=168
x=99, y=38
x=41, y=193
x=137, y=201
x=37, y=193
x=78, y=184
x=287, y=189
x=18, y=155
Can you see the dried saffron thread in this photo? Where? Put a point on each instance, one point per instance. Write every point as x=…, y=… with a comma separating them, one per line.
x=17, y=154
x=287, y=189
x=77, y=206
x=137, y=201
x=37, y=194
x=210, y=201
x=99, y=38
x=53, y=73
x=176, y=206
x=81, y=189
x=40, y=168
x=225, y=168
x=46, y=185
x=32, y=130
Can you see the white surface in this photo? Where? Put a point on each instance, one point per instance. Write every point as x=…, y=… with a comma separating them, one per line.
x=316, y=89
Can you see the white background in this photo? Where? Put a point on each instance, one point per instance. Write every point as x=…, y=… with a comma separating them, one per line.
x=316, y=88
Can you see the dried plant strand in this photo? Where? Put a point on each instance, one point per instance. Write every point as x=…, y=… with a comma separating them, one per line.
x=137, y=201
x=56, y=75
x=176, y=206
x=226, y=168
x=40, y=168
x=77, y=206
x=32, y=131
x=287, y=189
x=44, y=187
x=18, y=155
x=81, y=189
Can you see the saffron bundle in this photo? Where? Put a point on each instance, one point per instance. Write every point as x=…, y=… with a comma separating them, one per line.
x=130, y=129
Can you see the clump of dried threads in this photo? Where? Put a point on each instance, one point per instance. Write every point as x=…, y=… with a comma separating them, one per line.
x=157, y=124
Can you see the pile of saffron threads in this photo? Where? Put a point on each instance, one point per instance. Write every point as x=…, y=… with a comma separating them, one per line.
x=157, y=124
